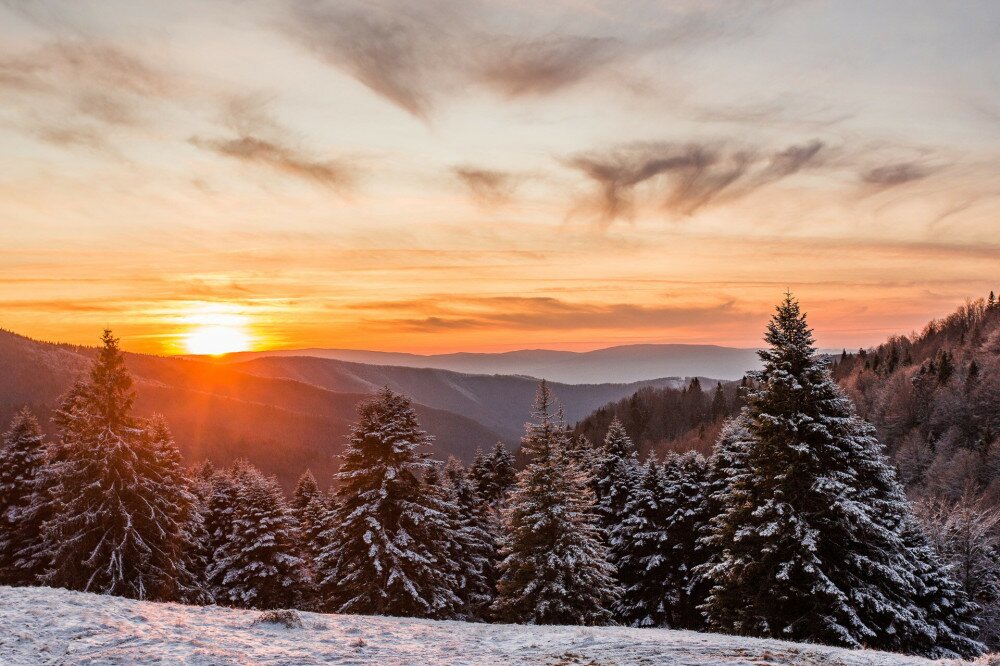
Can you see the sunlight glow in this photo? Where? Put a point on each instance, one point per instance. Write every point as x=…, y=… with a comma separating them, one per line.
x=213, y=332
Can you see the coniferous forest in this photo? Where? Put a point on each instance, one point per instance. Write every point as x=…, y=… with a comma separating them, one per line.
x=862, y=516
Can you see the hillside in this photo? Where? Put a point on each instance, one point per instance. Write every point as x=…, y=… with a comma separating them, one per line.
x=496, y=401
x=219, y=413
x=288, y=413
x=48, y=626
x=622, y=364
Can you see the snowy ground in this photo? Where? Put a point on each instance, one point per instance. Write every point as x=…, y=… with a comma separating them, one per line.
x=46, y=626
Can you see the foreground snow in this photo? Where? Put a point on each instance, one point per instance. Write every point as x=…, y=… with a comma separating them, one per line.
x=48, y=626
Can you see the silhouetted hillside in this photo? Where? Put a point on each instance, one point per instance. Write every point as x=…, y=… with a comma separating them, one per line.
x=497, y=401
x=623, y=364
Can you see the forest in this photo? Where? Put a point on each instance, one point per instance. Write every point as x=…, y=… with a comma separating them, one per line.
x=849, y=501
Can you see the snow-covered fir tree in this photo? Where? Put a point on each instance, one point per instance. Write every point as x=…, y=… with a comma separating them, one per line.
x=306, y=489
x=684, y=501
x=112, y=517
x=555, y=568
x=387, y=544
x=219, y=515
x=475, y=544
x=258, y=566
x=494, y=474
x=640, y=552
x=175, y=560
x=615, y=473
x=22, y=457
x=810, y=541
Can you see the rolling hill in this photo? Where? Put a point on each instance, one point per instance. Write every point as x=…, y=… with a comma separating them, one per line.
x=286, y=414
x=622, y=364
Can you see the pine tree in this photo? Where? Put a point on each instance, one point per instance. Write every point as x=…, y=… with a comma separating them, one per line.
x=810, y=541
x=305, y=491
x=219, y=516
x=387, y=541
x=640, y=550
x=259, y=565
x=22, y=457
x=685, y=484
x=615, y=472
x=494, y=474
x=475, y=543
x=178, y=573
x=555, y=567
x=113, y=519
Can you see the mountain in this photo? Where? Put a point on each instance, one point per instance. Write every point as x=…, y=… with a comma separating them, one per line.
x=288, y=413
x=623, y=364
x=41, y=625
x=499, y=402
x=219, y=413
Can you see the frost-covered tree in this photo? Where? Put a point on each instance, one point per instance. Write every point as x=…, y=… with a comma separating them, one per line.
x=22, y=457
x=306, y=489
x=615, y=473
x=811, y=540
x=219, y=514
x=115, y=515
x=684, y=502
x=966, y=535
x=555, y=567
x=639, y=551
x=258, y=566
x=494, y=474
x=475, y=543
x=386, y=549
x=176, y=558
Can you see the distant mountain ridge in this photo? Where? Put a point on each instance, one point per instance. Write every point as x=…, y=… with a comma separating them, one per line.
x=621, y=364
x=289, y=413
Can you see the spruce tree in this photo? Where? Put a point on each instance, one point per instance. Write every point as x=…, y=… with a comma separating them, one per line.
x=305, y=491
x=219, y=516
x=387, y=543
x=113, y=519
x=494, y=474
x=22, y=457
x=810, y=541
x=258, y=566
x=640, y=552
x=175, y=563
x=615, y=472
x=684, y=503
x=475, y=545
x=555, y=567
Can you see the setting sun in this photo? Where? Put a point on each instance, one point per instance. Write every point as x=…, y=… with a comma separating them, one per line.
x=216, y=340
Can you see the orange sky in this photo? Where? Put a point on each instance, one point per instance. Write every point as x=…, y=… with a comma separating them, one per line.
x=451, y=176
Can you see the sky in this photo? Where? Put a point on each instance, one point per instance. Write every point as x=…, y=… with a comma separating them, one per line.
x=486, y=175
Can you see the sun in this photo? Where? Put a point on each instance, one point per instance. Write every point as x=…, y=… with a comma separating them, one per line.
x=215, y=340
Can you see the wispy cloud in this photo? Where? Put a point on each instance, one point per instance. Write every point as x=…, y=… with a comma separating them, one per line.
x=686, y=177
x=260, y=139
x=892, y=175
x=547, y=313
x=488, y=187
x=283, y=158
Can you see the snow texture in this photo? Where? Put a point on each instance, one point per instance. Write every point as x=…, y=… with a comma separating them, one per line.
x=40, y=626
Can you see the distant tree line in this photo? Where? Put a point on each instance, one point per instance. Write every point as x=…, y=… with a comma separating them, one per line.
x=795, y=527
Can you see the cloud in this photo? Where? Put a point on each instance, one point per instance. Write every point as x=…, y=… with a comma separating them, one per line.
x=396, y=51
x=891, y=175
x=547, y=313
x=488, y=187
x=260, y=139
x=544, y=65
x=412, y=54
x=686, y=177
x=331, y=174
x=71, y=92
